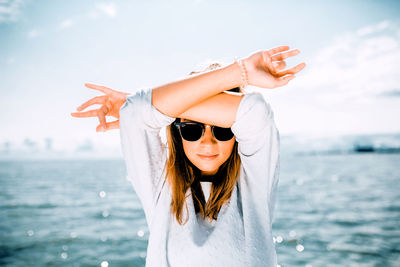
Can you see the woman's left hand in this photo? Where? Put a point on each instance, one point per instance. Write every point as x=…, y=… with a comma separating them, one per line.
x=111, y=104
x=265, y=68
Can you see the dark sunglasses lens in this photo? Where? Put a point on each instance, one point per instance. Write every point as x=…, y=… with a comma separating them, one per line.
x=191, y=132
x=223, y=134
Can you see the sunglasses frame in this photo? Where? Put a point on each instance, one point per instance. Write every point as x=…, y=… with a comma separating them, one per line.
x=203, y=126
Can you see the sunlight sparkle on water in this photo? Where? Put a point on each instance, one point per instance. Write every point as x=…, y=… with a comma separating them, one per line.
x=105, y=214
x=299, y=248
x=140, y=233
x=292, y=233
x=102, y=194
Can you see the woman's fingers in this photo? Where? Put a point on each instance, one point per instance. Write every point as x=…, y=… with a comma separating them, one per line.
x=102, y=117
x=279, y=65
x=278, y=49
x=282, y=81
x=101, y=114
x=94, y=100
x=101, y=88
x=109, y=126
x=285, y=55
x=113, y=125
x=293, y=70
x=89, y=113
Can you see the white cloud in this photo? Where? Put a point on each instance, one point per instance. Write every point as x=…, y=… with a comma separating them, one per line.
x=109, y=9
x=356, y=68
x=33, y=33
x=65, y=24
x=10, y=10
x=373, y=28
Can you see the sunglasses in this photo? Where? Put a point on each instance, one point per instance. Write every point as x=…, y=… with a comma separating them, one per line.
x=193, y=131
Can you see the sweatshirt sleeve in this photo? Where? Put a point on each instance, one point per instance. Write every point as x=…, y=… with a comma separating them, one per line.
x=258, y=147
x=143, y=151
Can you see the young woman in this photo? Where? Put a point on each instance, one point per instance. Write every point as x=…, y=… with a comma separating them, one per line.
x=209, y=193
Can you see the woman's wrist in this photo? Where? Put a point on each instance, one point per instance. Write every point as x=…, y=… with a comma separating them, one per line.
x=235, y=74
x=244, y=74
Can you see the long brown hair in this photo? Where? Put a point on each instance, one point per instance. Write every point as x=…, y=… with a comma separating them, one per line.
x=182, y=174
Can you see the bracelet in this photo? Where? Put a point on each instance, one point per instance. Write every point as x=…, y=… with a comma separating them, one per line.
x=244, y=75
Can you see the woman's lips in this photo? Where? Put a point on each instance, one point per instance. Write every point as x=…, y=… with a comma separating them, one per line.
x=205, y=157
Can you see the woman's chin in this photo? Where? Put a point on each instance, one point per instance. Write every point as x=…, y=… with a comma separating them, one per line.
x=207, y=167
x=208, y=171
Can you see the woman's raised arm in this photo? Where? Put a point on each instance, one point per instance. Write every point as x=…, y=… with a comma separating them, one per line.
x=263, y=70
x=219, y=110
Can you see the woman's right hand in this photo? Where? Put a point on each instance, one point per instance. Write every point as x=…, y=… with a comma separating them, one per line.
x=264, y=68
x=111, y=104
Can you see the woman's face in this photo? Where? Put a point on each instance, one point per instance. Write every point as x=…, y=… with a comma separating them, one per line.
x=208, y=145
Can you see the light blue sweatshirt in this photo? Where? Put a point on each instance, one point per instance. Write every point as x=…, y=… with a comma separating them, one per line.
x=242, y=234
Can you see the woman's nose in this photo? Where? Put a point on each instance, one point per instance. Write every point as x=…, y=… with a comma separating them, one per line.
x=208, y=136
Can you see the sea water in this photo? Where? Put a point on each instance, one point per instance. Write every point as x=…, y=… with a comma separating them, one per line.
x=331, y=210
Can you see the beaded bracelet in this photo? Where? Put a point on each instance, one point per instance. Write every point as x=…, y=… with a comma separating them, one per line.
x=244, y=75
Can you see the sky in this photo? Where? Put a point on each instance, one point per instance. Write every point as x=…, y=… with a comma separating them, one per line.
x=50, y=48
